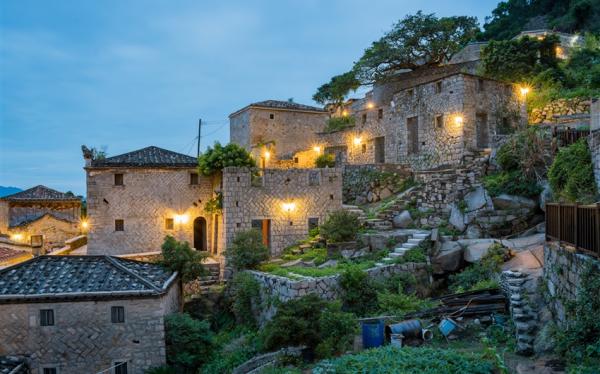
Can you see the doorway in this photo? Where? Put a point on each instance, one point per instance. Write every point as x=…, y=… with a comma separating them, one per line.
x=412, y=129
x=483, y=132
x=200, y=234
x=380, y=150
x=264, y=227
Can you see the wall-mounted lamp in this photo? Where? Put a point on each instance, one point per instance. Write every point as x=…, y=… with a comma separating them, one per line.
x=16, y=237
x=370, y=105
x=344, y=113
x=524, y=90
x=357, y=140
x=267, y=155
x=289, y=206
x=317, y=149
x=181, y=218
x=84, y=224
x=458, y=120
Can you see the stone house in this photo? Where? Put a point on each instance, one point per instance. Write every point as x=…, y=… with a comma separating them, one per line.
x=276, y=130
x=137, y=198
x=86, y=314
x=40, y=212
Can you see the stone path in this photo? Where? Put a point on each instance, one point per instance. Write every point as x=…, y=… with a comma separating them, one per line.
x=415, y=240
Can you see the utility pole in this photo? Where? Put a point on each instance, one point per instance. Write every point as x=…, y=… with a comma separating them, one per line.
x=199, y=134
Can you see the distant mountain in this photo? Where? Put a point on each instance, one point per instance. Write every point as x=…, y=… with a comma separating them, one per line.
x=5, y=191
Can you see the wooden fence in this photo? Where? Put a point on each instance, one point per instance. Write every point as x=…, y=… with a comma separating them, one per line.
x=577, y=225
x=568, y=136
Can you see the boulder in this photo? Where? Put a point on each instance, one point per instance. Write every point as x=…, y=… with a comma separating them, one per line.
x=402, y=220
x=508, y=202
x=385, y=193
x=448, y=259
x=478, y=199
x=473, y=231
x=457, y=218
x=475, y=249
x=328, y=264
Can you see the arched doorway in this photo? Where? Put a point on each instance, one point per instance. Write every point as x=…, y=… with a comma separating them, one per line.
x=200, y=234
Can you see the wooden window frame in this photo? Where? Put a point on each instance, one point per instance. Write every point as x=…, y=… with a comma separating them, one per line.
x=194, y=179
x=119, y=225
x=47, y=317
x=119, y=179
x=117, y=314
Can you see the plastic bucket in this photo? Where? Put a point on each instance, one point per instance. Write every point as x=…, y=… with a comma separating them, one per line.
x=396, y=340
x=446, y=326
x=372, y=333
x=410, y=328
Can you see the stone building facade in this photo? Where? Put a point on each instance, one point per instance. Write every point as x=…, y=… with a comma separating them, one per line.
x=41, y=211
x=281, y=203
x=138, y=198
x=86, y=314
x=280, y=128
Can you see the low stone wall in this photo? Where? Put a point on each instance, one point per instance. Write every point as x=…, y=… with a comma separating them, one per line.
x=561, y=107
x=284, y=289
x=563, y=268
x=371, y=183
x=594, y=145
x=258, y=363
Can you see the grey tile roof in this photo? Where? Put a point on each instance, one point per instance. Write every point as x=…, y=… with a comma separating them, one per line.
x=87, y=277
x=13, y=365
x=24, y=220
x=40, y=192
x=281, y=105
x=148, y=157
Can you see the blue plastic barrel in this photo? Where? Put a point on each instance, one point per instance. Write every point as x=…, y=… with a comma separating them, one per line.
x=372, y=333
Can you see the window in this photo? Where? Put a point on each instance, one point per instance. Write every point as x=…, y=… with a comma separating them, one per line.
x=49, y=370
x=314, y=178
x=439, y=121
x=480, y=85
x=313, y=223
x=169, y=223
x=380, y=113
x=120, y=367
x=118, y=179
x=410, y=92
x=194, y=179
x=364, y=118
x=296, y=160
x=364, y=148
x=117, y=314
x=438, y=87
x=271, y=116
x=119, y=225
x=46, y=317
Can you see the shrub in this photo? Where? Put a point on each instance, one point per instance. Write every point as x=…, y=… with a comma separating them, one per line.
x=189, y=342
x=234, y=348
x=178, y=256
x=407, y=360
x=219, y=157
x=475, y=275
x=215, y=204
x=339, y=123
x=247, y=250
x=312, y=322
x=340, y=226
x=400, y=303
x=571, y=175
x=245, y=292
x=359, y=291
x=325, y=160
x=512, y=183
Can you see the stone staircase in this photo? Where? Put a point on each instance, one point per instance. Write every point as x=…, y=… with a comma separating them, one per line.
x=414, y=241
x=212, y=278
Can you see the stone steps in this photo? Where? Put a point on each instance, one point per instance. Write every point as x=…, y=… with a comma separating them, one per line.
x=414, y=241
x=378, y=224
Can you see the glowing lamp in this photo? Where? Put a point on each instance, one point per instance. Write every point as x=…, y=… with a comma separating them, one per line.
x=267, y=155
x=317, y=149
x=344, y=113
x=458, y=120
x=16, y=237
x=288, y=207
x=524, y=90
x=370, y=105
x=85, y=224
x=181, y=218
x=357, y=140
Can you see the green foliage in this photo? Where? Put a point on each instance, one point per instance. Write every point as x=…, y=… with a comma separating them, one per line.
x=340, y=226
x=189, y=342
x=400, y=303
x=335, y=91
x=232, y=348
x=520, y=59
x=512, y=183
x=312, y=322
x=359, y=291
x=215, y=204
x=325, y=160
x=407, y=360
x=219, y=157
x=579, y=342
x=339, y=123
x=481, y=273
x=245, y=292
x=178, y=256
x=247, y=250
x=571, y=175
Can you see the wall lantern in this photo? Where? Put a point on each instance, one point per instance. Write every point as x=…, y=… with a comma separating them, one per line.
x=357, y=140
x=317, y=149
x=289, y=207
x=267, y=155
x=16, y=237
x=458, y=120
x=370, y=105
x=181, y=218
x=344, y=113
x=524, y=90
x=84, y=224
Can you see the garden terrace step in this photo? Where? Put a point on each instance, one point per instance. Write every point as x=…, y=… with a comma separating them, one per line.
x=421, y=235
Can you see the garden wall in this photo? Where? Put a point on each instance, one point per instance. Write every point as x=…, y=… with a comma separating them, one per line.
x=275, y=287
x=560, y=107
x=371, y=183
x=563, y=269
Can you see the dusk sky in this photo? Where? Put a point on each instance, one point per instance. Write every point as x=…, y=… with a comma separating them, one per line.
x=129, y=74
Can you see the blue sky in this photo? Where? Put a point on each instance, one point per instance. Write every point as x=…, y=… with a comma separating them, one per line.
x=128, y=74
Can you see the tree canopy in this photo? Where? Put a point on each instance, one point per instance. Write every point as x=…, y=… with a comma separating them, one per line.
x=219, y=157
x=336, y=89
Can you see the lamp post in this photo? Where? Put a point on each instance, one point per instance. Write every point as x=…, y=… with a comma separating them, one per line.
x=523, y=91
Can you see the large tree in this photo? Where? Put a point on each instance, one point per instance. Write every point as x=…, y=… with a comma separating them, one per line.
x=336, y=89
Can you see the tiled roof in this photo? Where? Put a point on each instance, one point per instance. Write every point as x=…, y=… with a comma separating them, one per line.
x=9, y=253
x=87, y=277
x=428, y=74
x=13, y=365
x=148, y=157
x=17, y=221
x=40, y=193
x=282, y=105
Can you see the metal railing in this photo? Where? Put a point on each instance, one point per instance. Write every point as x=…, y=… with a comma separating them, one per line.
x=574, y=224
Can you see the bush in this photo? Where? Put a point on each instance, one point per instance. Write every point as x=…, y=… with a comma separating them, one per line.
x=476, y=275
x=215, y=204
x=178, y=256
x=247, y=250
x=234, y=348
x=400, y=303
x=189, y=342
x=219, y=157
x=359, y=291
x=571, y=175
x=512, y=183
x=325, y=160
x=312, y=322
x=407, y=360
x=340, y=226
x=339, y=123
x=245, y=292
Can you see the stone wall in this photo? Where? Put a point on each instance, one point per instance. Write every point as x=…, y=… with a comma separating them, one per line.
x=83, y=339
x=284, y=289
x=372, y=183
x=563, y=268
x=55, y=231
x=594, y=146
x=147, y=198
x=21, y=212
x=4, y=218
x=560, y=107
x=312, y=193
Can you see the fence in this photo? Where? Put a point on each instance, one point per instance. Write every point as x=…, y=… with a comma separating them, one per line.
x=568, y=136
x=577, y=225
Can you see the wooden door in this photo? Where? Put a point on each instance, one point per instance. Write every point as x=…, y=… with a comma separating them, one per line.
x=412, y=128
x=380, y=150
x=483, y=131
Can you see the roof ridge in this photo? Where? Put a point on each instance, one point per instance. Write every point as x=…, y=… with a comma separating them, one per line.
x=122, y=267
